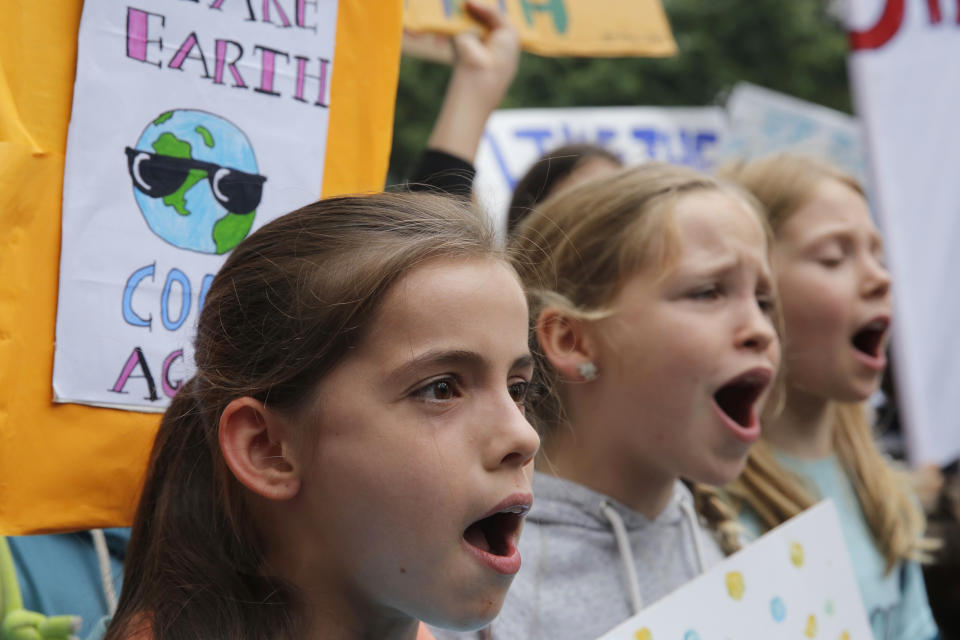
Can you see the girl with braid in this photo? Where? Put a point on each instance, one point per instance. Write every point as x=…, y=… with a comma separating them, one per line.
x=835, y=292
x=651, y=305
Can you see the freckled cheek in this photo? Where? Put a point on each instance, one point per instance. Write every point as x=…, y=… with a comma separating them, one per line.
x=402, y=487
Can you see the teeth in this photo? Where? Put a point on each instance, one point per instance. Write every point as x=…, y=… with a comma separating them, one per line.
x=519, y=509
x=757, y=378
x=879, y=325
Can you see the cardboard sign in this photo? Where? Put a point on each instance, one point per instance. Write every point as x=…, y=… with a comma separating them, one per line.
x=794, y=582
x=515, y=138
x=907, y=92
x=561, y=27
x=762, y=122
x=71, y=466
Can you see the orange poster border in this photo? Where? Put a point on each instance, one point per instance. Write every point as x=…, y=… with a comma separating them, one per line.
x=68, y=466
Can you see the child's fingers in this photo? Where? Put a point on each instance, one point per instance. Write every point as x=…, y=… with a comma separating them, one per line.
x=486, y=15
x=468, y=46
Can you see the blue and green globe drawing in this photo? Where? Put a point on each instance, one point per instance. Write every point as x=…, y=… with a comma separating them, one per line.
x=196, y=180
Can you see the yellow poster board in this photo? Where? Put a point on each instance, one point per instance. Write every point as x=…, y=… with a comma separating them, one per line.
x=590, y=28
x=67, y=466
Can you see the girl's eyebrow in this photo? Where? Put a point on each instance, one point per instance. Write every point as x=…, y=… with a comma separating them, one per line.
x=721, y=267
x=523, y=362
x=716, y=267
x=451, y=357
x=842, y=232
x=831, y=235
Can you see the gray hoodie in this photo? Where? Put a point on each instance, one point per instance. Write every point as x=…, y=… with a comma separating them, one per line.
x=589, y=562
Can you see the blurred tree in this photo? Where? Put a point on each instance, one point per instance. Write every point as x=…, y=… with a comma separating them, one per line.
x=797, y=48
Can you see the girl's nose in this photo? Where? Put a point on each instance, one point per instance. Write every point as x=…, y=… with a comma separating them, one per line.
x=515, y=442
x=876, y=279
x=757, y=332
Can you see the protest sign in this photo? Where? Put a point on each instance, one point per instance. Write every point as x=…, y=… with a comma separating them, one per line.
x=761, y=122
x=907, y=91
x=175, y=154
x=514, y=138
x=561, y=27
x=795, y=582
x=70, y=466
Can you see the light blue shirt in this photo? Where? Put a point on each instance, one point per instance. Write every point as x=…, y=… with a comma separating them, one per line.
x=896, y=602
x=59, y=574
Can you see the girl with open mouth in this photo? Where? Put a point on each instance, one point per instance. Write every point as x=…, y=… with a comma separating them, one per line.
x=651, y=301
x=351, y=457
x=835, y=292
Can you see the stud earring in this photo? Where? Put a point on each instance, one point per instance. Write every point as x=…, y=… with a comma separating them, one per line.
x=587, y=371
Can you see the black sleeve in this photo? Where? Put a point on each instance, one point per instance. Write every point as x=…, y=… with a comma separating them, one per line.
x=443, y=172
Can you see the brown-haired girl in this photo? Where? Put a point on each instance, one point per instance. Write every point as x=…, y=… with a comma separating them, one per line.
x=651, y=300
x=351, y=456
x=554, y=171
x=835, y=293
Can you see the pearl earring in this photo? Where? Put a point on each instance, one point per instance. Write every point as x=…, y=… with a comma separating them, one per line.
x=588, y=371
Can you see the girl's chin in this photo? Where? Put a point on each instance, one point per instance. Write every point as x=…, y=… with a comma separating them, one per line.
x=849, y=390
x=722, y=472
x=467, y=622
x=858, y=391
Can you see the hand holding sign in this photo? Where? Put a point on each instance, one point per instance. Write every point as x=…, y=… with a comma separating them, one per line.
x=487, y=62
x=485, y=68
x=560, y=27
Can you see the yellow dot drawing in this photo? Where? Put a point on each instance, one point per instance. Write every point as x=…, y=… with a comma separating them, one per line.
x=811, y=630
x=643, y=634
x=796, y=554
x=735, y=585
x=845, y=635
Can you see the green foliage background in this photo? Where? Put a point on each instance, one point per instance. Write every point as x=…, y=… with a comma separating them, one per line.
x=796, y=47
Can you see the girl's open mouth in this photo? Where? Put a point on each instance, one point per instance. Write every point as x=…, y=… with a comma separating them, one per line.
x=868, y=342
x=736, y=400
x=493, y=539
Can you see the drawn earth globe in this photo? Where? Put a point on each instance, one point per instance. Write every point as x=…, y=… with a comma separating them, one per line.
x=191, y=217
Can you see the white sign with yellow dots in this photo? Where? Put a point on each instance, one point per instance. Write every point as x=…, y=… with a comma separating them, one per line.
x=794, y=582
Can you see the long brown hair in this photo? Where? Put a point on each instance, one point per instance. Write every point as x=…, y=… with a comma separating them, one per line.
x=282, y=312
x=576, y=250
x=783, y=183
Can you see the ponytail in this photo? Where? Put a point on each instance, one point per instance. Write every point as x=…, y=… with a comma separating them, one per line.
x=288, y=304
x=182, y=553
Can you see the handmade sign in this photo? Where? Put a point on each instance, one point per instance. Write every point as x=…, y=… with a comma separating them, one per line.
x=515, y=138
x=175, y=154
x=761, y=121
x=907, y=93
x=561, y=27
x=794, y=582
x=192, y=125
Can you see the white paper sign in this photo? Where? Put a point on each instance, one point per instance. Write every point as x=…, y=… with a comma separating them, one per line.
x=515, y=138
x=193, y=124
x=907, y=91
x=762, y=122
x=794, y=582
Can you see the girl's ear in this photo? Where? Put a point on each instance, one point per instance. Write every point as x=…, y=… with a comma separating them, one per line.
x=566, y=342
x=255, y=443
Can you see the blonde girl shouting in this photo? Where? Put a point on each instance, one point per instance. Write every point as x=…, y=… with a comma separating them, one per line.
x=835, y=292
x=651, y=301
x=351, y=456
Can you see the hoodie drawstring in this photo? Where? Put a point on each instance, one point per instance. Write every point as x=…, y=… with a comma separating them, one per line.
x=106, y=575
x=686, y=506
x=626, y=554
